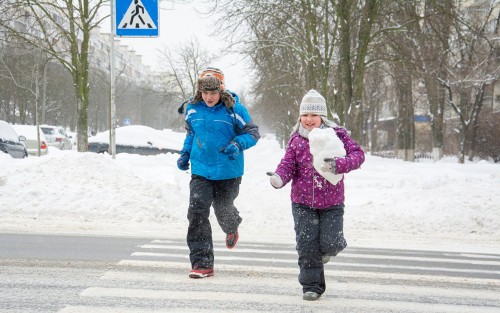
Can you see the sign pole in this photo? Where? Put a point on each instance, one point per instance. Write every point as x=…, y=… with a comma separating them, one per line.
x=137, y=18
x=112, y=108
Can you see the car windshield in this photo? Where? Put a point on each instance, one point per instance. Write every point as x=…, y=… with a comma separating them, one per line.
x=7, y=133
x=48, y=131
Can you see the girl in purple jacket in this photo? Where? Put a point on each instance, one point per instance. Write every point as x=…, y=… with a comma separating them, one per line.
x=317, y=204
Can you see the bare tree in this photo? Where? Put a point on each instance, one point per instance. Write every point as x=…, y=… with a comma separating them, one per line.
x=183, y=64
x=375, y=93
x=405, y=127
x=18, y=72
x=62, y=29
x=357, y=20
x=32, y=82
x=291, y=45
x=181, y=67
x=432, y=31
x=473, y=66
x=395, y=49
x=299, y=45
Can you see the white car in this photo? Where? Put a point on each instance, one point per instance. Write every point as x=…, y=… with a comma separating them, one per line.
x=57, y=137
x=10, y=142
x=138, y=139
x=31, y=142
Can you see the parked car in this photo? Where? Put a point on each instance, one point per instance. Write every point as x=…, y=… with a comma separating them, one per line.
x=10, y=142
x=138, y=139
x=31, y=142
x=57, y=137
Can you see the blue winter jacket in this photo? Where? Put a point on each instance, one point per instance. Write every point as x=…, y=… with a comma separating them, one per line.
x=210, y=130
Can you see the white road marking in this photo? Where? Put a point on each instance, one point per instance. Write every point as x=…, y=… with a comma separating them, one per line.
x=373, y=291
x=464, y=260
x=331, y=273
x=270, y=281
x=324, y=303
x=109, y=309
x=366, y=264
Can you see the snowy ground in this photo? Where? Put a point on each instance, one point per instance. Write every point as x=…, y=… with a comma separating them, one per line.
x=389, y=203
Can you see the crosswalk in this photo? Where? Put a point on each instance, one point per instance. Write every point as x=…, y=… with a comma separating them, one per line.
x=259, y=277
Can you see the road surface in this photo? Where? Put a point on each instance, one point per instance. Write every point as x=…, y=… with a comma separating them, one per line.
x=76, y=274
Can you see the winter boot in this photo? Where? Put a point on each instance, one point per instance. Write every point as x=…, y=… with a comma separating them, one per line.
x=311, y=296
x=325, y=258
x=201, y=272
x=231, y=240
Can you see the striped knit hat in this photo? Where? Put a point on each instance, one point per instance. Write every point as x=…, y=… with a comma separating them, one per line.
x=213, y=71
x=212, y=79
x=313, y=103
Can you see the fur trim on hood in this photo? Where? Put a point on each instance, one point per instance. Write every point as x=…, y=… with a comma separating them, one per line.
x=211, y=83
x=225, y=97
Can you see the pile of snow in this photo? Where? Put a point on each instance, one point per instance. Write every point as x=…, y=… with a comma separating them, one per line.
x=142, y=136
x=388, y=202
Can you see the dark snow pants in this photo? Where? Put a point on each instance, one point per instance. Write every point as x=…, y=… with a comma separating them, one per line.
x=203, y=194
x=317, y=232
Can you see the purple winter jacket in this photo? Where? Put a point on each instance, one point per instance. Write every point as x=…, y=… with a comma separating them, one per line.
x=308, y=186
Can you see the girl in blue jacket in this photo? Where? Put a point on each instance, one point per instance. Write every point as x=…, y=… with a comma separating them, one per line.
x=218, y=128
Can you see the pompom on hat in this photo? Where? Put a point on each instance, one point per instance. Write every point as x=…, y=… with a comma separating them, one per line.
x=313, y=103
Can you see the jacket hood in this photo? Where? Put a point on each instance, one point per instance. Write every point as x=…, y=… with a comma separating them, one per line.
x=227, y=97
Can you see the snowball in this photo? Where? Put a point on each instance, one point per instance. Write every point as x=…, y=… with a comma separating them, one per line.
x=324, y=143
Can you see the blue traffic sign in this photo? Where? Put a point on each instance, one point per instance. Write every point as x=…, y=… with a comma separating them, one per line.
x=137, y=18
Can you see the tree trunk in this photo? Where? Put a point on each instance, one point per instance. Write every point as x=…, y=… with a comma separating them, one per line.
x=477, y=105
x=436, y=97
x=374, y=128
x=444, y=19
x=405, y=121
x=354, y=88
x=344, y=67
x=44, y=93
x=369, y=16
x=463, y=140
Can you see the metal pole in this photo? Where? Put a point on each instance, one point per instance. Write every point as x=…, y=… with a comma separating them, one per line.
x=112, y=109
x=37, y=99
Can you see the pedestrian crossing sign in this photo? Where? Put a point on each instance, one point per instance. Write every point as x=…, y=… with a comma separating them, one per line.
x=136, y=18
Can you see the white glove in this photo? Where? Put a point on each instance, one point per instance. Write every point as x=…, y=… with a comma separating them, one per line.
x=275, y=180
x=329, y=166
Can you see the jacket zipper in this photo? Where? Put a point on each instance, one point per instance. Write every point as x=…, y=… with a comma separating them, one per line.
x=312, y=202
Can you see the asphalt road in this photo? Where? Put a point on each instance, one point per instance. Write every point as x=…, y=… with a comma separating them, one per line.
x=69, y=274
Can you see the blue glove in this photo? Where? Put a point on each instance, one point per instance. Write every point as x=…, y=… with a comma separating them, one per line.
x=232, y=150
x=183, y=162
